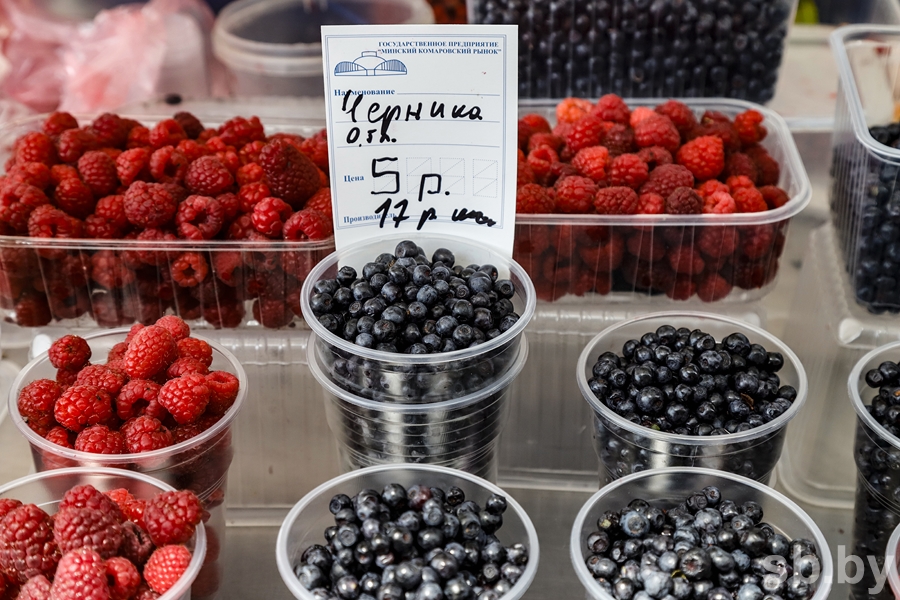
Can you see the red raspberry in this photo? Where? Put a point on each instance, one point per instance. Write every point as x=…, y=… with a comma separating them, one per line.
x=239, y=131
x=616, y=201
x=207, y=176
x=639, y=114
x=139, y=397
x=225, y=312
x=103, y=377
x=133, y=164
x=31, y=173
x=749, y=127
x=250, y=173
x=724, y=130
x=738, y=164
x=719, y=203
x=72, y=143
x=251, y=194
x=575, y=195
x=321, y=202
x=651, y=204
x=272, y=313
x=144, y=434
x=679, y=113
x=548, y=140
x=191, y=150
x=707, y=188
x=657, y=130
x=775, y=197
x=682, y=288
x=665, y=179
x=190, y=269
x=316, y=148
x=585, y=133
x=717, y=242
x=81, y=575
x=166, y=133
x=74, y=197
x=306, y=224
x=98, y=171
x=533, y=198
x=646, y=246
x=168, y=165
x=7, y=505
x=749, y=200
x=686, y=260
x=117, y=352
x=190, y=124
x=109, y=270
x=540, y=159
x=145, y=593
x=628, y=170
x=99, y=439
x=35, y=147
x=571, y=110
x=92, y=528
x=150, y=351
x=81, y=406
x=591, y=162
x=98, y=228
x=290, y=174
x=131, y=507
x=176, y=326
x=197, y=349
x=149, y=204
x=612, y=108
x=58, y=122
x=138, y=137
x=199, y=217
x=36, y=401
x=767, y=167
x=269, y=216
x=185, y=366
x=537, y=123
x=36, y=588
x=172, y=517
x=524, y=174
x=684, y=201
x=249, y=153
x=231, y=205
x=223, y=391
x=185, y=397
x=166, y=566
x=703, y=156
x=60, y=437
x=110, y=130
x=123, y=578
x=27, y=548
x=32, y=310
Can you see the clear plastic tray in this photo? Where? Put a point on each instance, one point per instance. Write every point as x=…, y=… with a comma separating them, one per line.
x=644, y=49
x=575, y=255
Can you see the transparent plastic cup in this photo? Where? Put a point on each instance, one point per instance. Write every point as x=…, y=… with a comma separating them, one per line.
x=48, y=488
x=665, y=488
x=460, y=433
x=891, y=561
x=394, y=377
x=624, y=447
x=310, y=517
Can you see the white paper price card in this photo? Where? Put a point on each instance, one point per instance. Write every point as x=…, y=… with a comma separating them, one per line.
x=422, y=130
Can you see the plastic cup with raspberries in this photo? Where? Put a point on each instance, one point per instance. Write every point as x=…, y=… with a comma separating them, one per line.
x=83, y=569
x=666, y=489
x=628, y=445
x=311, y=516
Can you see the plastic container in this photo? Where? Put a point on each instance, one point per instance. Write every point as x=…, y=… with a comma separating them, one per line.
x=644, y=49
x=864, y=171
x=394, y=377
x=272, y=47
x=310, y=516
x=891, y=562
x=624, y=447
x=666, y=488
x=591, y=255
x=459, y=433
x=44, y=281
x=48, y=488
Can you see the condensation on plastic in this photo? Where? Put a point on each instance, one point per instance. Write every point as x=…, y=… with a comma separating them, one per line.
x=32, y=266
x=47, y=489
x=307, y=520
x=560, y=252
x=751, y=453
x=666, y=488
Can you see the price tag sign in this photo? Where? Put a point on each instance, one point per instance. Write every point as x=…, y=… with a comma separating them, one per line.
x=422, y=130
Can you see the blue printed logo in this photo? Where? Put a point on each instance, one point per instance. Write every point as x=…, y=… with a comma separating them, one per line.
x=370, y=64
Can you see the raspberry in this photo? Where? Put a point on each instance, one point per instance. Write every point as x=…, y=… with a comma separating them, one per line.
x=103, y=377
x=110, y=130
x=585, y=133
x=738, y=164
x=82, y=527
x=537, y=123
x=109, y=270
x=58, y=122
x=36, y=401
x=36, y=588
x=31, y=173
x=316, y=148
x=7, y=505
x=166, y=133
x=149, y=352
x=657, y=130
x=616, y=201
x=144, y=434
x=231, y=205
x=196, y=349
x=227, y=312
x=575, y=195
x=666, y=178
x=767, y=167
x=98, y=171
x=123, y=578
x=153, y=257
x=60, y=437
x=100, y=229
x=168, y=165
x=272, y=313
x=719, y=203
x=591, y=162
x=682, y=288
x=290, y=174
x=131, y=508
x=651, y=204
x=32, y=310
x=749, y=127
x=533, y=198
x=191, y=150
x=775, y=197
x=185, y=397
x=81, y=575
x=138, y=137
x=707, y=188
x=619, y=140
x=686, y=260
x=639, y=114
x=720, y=129
x=269, y=216
x=207, y=176
x=176, y=326
x=717, y=242
x=571, y=110
x=190, y=124
x=137, y=398
x=703, y=156
x=321, y=202
x=172, y=517
x=524, y=174
x=74, y=197
x=749, y=199
x=185, y=366
x=190, y=269
x=540, y=160
x=612, y=108
x=83, y=405
x=223, y=391
x=199, y=217
x=539, y=140
x=99, y=439
x=149, y=204
x=684, y=201
x=35, y=147
x=628, y=170
x=239, y=131
x=166, y=566
x=27, y=548
x=306, y=224
x=646, y=246
x=145, y=593
x=72, y=143
x=132, y=165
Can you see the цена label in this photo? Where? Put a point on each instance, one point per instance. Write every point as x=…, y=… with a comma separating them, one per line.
x=422, y=130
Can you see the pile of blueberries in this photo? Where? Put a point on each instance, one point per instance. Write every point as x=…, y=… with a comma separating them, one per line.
x=421, y=543
x=877, y=507
x=645, y=48
x=866, y=206
x=705, y=548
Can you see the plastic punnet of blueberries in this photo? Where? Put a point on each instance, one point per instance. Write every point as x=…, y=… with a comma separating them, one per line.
x=422, y=542
x=705, y=548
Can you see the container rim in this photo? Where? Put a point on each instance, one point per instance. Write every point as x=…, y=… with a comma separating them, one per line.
x=198, y=555
x=839, y=39
x=123, y=459
x=526, y=289
x=281, y=544
x=575, y=543
x=891, y=560
x=417, y=407
x=589, y=352
x=859, y=405
x=778, y=129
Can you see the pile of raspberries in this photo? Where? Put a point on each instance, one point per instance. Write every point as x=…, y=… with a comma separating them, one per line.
x=98, y=546
x=607, y=159
x=115, y=179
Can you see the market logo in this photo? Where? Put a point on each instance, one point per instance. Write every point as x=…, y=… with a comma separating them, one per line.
x=370, y=64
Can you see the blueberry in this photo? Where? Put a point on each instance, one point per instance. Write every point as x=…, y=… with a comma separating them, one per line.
x=634, y=524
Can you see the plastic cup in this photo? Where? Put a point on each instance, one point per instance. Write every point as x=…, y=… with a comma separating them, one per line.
x=460, y=433
x=310, y=517
x=624, y=447
x=666, y=488
x=394, y=377
x=890, y=560
x=48, y=488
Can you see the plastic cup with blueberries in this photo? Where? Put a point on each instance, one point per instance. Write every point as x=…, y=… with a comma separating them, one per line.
x=690, y=389
x=473, y=537
x=694, y=532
